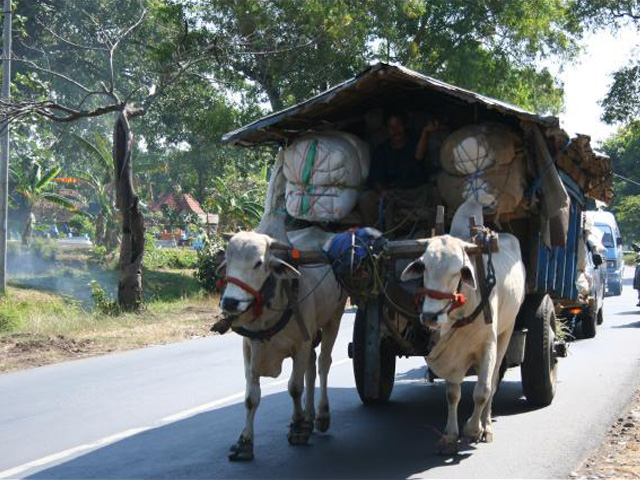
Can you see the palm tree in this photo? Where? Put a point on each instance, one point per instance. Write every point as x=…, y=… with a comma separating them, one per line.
x=35, y=186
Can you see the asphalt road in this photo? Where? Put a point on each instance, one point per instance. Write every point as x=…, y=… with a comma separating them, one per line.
x=173, y=411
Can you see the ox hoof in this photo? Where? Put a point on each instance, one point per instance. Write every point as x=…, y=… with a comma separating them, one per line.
x=487, y=437
x=472, y=435
x=242, y=451
x=448, y=445
x=323, y=423
x=299, y=432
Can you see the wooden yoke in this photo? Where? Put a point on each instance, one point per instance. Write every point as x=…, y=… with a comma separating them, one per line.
x=394, y=250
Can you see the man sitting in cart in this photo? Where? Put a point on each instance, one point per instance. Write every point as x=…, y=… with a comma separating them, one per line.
x=398, y=166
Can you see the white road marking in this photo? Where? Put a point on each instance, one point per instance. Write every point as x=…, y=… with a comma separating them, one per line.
x=15, y=471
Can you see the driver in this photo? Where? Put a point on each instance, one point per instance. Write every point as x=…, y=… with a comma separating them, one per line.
x=399, y=161
x=398, y=165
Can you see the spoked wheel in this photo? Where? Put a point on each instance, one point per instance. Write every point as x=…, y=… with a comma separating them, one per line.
x=374, y=359
x=540, y=368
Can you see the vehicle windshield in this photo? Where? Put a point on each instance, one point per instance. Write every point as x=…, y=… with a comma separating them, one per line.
x=607, y=236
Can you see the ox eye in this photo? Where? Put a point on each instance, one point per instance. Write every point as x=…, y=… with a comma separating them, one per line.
x=258, y=264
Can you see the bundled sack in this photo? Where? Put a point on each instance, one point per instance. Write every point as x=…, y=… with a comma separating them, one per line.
x=478, y=147
x=499, y=190
x=324, y=173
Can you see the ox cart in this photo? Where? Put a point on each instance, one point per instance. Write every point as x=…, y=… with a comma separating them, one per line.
x=560, y=177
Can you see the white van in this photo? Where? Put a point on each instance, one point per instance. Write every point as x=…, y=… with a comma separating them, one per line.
x=612, y=241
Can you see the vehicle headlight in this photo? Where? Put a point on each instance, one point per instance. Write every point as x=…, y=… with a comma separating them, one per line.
x=611, y=264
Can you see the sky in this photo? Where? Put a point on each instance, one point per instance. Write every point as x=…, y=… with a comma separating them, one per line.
x=586, y=81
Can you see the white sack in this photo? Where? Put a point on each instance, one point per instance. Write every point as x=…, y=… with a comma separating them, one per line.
x=499, y=190
x=478, y=147
x=325, y=187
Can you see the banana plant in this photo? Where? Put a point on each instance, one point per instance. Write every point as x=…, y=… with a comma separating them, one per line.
x=100, y=183
x=36, y=186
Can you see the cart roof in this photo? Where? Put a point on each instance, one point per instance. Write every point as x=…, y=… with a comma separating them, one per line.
x=379, y=86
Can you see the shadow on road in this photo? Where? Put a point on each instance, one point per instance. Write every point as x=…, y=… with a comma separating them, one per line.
x=629, y=325
x=394, y=441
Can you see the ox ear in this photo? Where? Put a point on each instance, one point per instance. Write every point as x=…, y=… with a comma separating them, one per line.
x=468, y=277
x=414, y=270
x=282, y=269
x=221, y=268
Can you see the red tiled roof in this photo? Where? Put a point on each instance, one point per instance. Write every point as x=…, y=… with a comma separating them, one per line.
x=191, y=204
x=184, y=203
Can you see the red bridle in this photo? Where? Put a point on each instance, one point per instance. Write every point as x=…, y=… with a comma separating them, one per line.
x=457, y=299
x=258, y=303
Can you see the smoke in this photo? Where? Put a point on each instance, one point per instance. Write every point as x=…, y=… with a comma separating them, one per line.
x=68, y=276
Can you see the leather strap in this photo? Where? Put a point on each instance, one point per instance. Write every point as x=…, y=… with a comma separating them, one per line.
x=265, y=335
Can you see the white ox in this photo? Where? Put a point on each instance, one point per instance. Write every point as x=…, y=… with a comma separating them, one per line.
x=321, y=304
x=446, y=269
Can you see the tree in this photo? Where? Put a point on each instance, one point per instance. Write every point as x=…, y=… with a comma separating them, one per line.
x=624, y=150
x=86, y=73
x=490, y=46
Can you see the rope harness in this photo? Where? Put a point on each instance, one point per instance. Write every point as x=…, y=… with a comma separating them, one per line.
x=258, y=297
x=457, y=300
x=261, y=301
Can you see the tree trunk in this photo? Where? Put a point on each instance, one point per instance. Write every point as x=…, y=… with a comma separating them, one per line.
x=100, y=229
x=132, y=245
x=27, y=233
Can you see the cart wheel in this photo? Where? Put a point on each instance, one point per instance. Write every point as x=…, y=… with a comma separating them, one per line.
x=588, y=321
x=539, y=369
x=374, y=359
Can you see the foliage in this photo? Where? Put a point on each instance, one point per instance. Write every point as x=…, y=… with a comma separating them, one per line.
x=102, y=302
x=238, y=199
x=627, y=211
x=624, y=150
x=486, y=45
x=622, y=101
x=10, y=314
x=82, y=225
x=100, y=254
x=44, y=248
x=34, y=185
x=174, y=258
x=210, y=256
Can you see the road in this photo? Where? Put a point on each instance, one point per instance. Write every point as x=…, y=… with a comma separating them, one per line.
x=172, y=412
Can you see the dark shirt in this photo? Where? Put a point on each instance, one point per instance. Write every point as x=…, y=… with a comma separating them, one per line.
x=397, y=167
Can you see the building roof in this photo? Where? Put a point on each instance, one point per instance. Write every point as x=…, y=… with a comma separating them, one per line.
x=182, y=203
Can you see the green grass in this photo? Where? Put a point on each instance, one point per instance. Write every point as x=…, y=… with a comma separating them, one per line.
x=33, y=311
x=55, y=293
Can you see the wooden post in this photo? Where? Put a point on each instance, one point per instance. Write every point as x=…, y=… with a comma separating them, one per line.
x=4, y=141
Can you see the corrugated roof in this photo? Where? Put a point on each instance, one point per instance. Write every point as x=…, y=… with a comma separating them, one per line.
x=380, y=85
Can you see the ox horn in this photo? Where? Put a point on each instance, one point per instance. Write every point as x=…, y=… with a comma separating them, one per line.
x=278, y=245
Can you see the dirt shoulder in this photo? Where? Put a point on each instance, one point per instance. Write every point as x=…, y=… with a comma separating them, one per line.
x=23, y=350
x=619, y=454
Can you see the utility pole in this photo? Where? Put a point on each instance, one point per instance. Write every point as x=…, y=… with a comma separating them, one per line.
x=4, y=145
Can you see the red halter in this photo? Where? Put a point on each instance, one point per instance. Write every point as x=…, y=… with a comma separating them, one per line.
x=258, y=302
x=457, y=299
